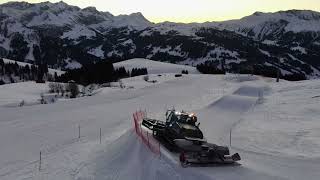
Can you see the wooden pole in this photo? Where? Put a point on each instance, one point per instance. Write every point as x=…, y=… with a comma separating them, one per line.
x=100, y=135
x=230, y=137
x=145, y=113
x=79, y=132
x=278, y=71
x=40, y=162
x=148, y=138
x=159, y=150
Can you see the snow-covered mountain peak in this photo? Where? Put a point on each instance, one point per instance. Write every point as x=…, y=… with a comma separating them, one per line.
x=138, y=15
x=134, y=20
x=90, y=9
x=61, y=14
x=261, y=25
x=257, y=13
x=302, y=14
x=17, y=5
x=292, y=16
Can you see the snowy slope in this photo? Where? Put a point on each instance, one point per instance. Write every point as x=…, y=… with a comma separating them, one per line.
x=271, y=148
x=155, y=67
x=12, y=94
x=294, y=108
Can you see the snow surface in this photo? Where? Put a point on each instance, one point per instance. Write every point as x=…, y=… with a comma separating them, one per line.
x=97, y=52
x=13, y=94
x=299, y=48
x=275, y=128
x=79, y=31
x=265, y=52
x=72, y=64
x=296, y=133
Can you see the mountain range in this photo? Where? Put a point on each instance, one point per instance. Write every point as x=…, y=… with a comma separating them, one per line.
x=68, y=37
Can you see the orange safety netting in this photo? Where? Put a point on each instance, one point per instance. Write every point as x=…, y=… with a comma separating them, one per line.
x=146, y=137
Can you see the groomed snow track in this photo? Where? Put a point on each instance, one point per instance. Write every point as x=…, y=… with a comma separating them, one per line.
x=129, y=157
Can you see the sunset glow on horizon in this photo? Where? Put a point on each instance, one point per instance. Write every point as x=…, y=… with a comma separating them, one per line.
x=192, y=10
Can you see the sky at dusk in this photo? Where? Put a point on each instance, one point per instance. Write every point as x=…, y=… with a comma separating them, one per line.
x=192, y=10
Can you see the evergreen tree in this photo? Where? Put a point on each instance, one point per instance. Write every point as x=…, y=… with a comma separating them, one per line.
x=185, y=72
x=100, y=72
x=209, y=68
x=139, y=72
x=1, y=66
x=27, y=71
x=55, y=76
x=74, y=90
x=36, y=53
x=40, y=75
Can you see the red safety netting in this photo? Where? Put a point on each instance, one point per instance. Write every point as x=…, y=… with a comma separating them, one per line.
x=146, y=137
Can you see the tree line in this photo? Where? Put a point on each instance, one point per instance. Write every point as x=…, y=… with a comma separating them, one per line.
x=266, y=71
x=99, y=73
x=13, y=72
x=93, y=73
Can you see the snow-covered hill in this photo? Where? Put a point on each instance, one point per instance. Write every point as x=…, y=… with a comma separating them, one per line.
x=155, y=67
x=274, y=141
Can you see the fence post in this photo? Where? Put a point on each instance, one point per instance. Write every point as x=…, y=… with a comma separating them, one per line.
x=79, y=131
x=40, y=162
x=145, y=113
x=100, y=135
x=159, y=150
x=230, y=137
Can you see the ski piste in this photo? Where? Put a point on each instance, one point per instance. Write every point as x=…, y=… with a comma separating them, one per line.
x=276, y=137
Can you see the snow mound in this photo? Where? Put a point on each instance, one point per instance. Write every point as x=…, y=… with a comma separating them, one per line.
x=128, y=158
x=285, y=124
x=254, y=91
x=241, y=100
x=240, y=77
x=234, y=103
x=155, y=67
